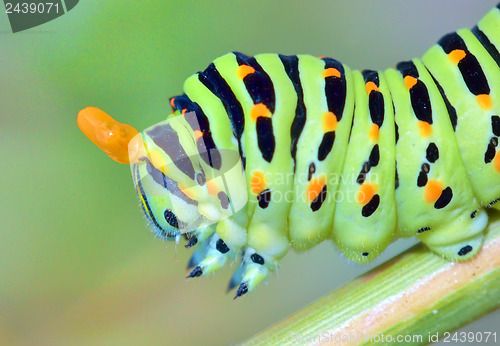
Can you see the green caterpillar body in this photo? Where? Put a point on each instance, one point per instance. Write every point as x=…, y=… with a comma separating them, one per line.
x=362, y=158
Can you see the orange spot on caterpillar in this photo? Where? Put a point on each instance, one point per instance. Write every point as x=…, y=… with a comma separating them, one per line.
x=157, y=159
x=258, y=182
x=172, y=100
x=184, y=111
x=314, y=188
x=456, y=56
x=425, y=128
x=108, y=134
x=244, y=70
x=331, y=72
x=496, y=162
x=371, y=86
x=212, y=188
x=374, y=132
x=484, y=101
x=366, y=193
x=259, y=110
x=187, y=191
x=197, y=134
x=321, y=57
x=410, y=82
x=433, y=190
x=329, y=122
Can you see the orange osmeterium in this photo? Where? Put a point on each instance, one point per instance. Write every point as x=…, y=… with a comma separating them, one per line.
x=108, y=134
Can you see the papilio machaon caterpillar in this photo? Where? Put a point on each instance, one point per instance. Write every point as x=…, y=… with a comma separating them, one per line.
x=325, y=152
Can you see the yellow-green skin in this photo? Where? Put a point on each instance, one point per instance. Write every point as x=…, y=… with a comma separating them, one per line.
x=425, y=178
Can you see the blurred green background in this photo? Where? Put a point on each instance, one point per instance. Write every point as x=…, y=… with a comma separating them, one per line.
x=77, y=263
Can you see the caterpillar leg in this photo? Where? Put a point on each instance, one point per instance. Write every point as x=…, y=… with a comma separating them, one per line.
x=217, y=254
x=253, y=271
x=459, y=239
x=220, y=247
x=266, y=247
x=202, y=239
x=199, y=253
x=494, y=204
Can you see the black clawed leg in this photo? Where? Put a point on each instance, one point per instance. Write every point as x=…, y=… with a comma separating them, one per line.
x=241, y=290
x=197, y=271
x=192, y=261
x=232, y=284
x=192, y=242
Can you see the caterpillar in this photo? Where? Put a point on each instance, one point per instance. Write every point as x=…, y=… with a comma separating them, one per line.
x=266, y=153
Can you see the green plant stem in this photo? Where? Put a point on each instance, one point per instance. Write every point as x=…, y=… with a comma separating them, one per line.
x=417, y=294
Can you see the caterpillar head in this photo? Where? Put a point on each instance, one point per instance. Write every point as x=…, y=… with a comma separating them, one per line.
x=169, y=212
x=180, y=187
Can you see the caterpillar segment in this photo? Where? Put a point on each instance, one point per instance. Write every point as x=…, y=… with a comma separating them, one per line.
x=433, y=184
x=270, y=152
x=364, y=222
x=466, y=66
x=267, y=119
x=320, y=133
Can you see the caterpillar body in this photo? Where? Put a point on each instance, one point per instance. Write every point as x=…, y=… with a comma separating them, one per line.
x=358, y=157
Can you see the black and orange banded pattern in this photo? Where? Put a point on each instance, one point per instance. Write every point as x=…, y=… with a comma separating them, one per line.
x=376, y=99
x=403, y=186
x=419, y=94
x=335, y=93
x=335, y=88
x=199, y=122
x=212, y=79
x=261, y=89
x=376, y=110
x=469, y=66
